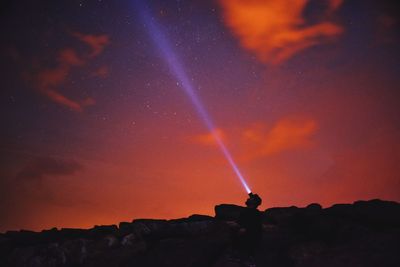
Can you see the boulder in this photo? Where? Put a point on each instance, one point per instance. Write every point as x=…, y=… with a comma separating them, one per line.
x=228, y=212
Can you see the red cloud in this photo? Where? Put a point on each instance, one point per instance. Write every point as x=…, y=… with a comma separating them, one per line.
x=47, y=80
x=69, y=57
x=275, y=30
x=96, y=42
x=260, y=141
x=63, y=100
x=286, y=134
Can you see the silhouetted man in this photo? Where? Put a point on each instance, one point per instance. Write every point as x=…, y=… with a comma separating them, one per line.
x=250, y=232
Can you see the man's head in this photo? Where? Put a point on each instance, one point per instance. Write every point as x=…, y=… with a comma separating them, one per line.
x=253, y=201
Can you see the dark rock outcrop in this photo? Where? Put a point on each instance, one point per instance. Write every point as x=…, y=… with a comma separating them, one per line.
x=227, y=212
x=365, y=233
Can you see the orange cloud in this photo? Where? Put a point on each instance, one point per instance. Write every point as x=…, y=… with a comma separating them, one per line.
x=208, y=139
x=286, y=134
x=47, y=80
x=258, y=140
x=275, y=30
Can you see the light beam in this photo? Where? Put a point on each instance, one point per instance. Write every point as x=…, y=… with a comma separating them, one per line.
x=165, y=49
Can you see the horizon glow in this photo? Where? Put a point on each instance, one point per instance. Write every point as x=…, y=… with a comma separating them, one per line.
x=160, y=41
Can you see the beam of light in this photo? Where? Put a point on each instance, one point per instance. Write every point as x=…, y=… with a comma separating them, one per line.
x=165, y=49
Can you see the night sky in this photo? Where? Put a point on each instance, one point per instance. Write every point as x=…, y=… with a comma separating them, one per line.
x=96, y=128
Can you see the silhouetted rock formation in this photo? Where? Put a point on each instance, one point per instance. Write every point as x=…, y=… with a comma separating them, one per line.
x=365, y=233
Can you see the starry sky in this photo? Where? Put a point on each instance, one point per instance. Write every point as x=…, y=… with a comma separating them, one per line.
x=96, y=128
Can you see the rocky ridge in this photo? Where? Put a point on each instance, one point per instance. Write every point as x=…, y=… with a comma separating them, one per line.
x=365, y=233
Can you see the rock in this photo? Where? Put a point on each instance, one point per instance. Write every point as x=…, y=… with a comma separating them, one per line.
x=373, y=213
x=314, y=207
x=102, y=230
x=304, y=253
x=51, y=235
x=189, y=228
x=141, y=227
x=76, y=251
x=22, y=237
x=378, y=213
x=280, y=216
x=128, y=240
x=199, y=217
x=228, y=212
x=73, y=233
x=124, y=228
x=144, y=227
x=365, y=233
x=43, y=255
x=112, y=241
